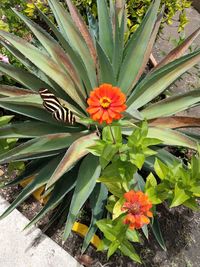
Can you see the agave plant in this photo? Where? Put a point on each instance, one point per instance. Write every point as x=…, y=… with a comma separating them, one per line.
x=70, y=61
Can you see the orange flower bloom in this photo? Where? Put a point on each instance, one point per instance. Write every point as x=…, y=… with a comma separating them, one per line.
x=138, y=207
x=106, y=103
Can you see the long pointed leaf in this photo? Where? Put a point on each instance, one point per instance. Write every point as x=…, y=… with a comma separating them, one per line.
x=7, y=90
x=56, y=53
x=61, y=189
x=136, y=49
x=88, y=174
x=31, y=129
x=172, y=137
x=156, y=82
x=79, y=22
x=179, y=50
x=175, y=122
x=157, y=233
x=105, y=28
x=75, y=152
x=40, y=145
x=97, y=203
x=172, y=105
x=39, y=181
x=106, y=69
x=23, y=77
x=46, y=64
x=72, y=35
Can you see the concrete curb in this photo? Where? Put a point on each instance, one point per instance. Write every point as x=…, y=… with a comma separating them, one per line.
x=29, y=248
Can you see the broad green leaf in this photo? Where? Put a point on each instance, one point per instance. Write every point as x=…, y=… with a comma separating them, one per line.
x=180, y=197
x=23, y=77
x=72, y=35
x=80, y=24
x=172, y=105
x=117, y=210
x=133, y=235
x=172, y=137
x=106, y=69
x=155, y=83
x=112, y=134
x=105, y=28
x=40, y=145
x=161, y=169
x=59, y=56
x=88, y=174
x=136, y=49
x=77, y=60
x=29, y=110
x=175, y=122
x=98, y=200
x=157, y=233
x=5, y=120
x=76, y=151
x=41, y=178
x=112, y=248
x=61, y=189
x=31, y=129
x=47, y=65
x=32, y=168
x=128, y=250
x=7, y=90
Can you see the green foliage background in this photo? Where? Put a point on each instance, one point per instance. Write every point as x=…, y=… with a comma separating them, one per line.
x=136, y=10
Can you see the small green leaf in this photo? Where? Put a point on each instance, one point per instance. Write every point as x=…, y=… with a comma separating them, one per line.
x=180, y=197
x=161, y=169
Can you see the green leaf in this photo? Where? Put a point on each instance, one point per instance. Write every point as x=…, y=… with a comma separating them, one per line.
x=157, y=233
x=98, y=200
x=31, y=129
x=105, y=28
x=161, y=169
x=88, y=174
x=74, y=38
x=46, y=64
x=172, y=137
x=136, y=49
x=172, y=105
x=76, y=151
x=112, y=248
x=23, y=77
x=40, y=145
x=61, y=189
x=78, y=62
x=180, y=197
x=128, y=250
x=155, y=83
x=112, y=134
x=41, y=178
x=5, y=120
x=133, y=235
x=106, y=69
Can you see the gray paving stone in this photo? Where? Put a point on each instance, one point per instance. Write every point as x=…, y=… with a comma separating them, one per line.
x=28, y=248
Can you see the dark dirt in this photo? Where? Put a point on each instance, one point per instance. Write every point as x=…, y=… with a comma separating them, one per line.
x=180, y=228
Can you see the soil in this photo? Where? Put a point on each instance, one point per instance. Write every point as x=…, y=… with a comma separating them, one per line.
x=180, y=227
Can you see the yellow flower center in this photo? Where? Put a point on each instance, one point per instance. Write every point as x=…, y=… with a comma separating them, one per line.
x=105, y=102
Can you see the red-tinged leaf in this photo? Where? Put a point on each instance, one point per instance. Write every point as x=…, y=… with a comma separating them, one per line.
x=179, y=51
x=80, y=24
x=149, y=48
x=75, y=152
x=175, y=122
x=7, y=90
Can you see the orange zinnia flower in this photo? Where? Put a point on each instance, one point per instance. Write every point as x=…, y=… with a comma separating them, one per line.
x=106, y=103
x=138, y=207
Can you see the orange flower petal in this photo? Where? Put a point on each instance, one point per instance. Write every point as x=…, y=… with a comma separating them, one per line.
x=109, y=99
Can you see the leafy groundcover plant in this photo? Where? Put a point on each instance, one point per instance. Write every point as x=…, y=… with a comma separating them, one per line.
x=90, y=129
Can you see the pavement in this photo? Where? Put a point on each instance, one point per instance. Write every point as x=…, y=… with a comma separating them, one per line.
x=28, y=248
